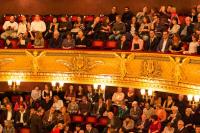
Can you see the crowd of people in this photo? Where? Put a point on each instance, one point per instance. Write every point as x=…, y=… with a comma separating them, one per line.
x=154, y=30
x=52, y=111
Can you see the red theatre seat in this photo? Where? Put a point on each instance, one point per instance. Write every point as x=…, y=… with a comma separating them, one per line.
x=33, y=18
x=48, y=19
x=14, y=99
x=111, y=44
x=25, y=130
x=73, y=18
x=186, y=46
x=77, y=118
x=14, y=43
x=2, y=43
x=98, y=44
x=6, y=17
x=103, y=121
x=89, y=18
x=91, y=119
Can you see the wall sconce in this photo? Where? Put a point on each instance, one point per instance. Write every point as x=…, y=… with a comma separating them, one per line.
x=58, y=84
x=146, y=95
x=14, y=84
x=193, y=100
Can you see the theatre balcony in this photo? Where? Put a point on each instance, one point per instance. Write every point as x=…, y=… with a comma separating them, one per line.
x=178, y=74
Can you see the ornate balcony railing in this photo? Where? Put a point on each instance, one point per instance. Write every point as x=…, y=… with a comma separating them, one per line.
x=161, y=72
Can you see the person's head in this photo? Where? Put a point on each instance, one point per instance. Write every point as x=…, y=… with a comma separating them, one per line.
x=136, y=36
x=84, y=99
x=79, y=20
x=145, y=20
x=52, y=109
x=73, y=99
x=180, y=124
x=143, y=117
x=131, y=90
x=46, y=87
x=97, y=19
x=40, y=111
x=195, y=37
x=54, y=20
x=88, y=127
x=78, y=128
x=169, y=125
x=56, y=34
x=173, y=10
x=174, y=20
x=174, y=109
x=21, y=107
x=71, y=88
x=89, y=88
x=176, y=39
x=81, y=131
x=163, y=9
x=63, y=109
x=80, y=34
x=8, y=107
x=134, y=104
x=110, y=115
x=197, y=129
x=169, y=8
x=198, y=17
x=37, y=17
x=165, y=34
x=156, y=18
x=56, y=98
x=154, y=118
x=119, y=89
x=188, y=111
x=152, y=33
x=198, y=8
x=69, y=36
x=123, y=38
x=47, y=98
x=180, y=97
x=100, y=100
x=108, y=102
x=23, y=18
x=80, y=88
x=12, y=19
x=126, y=9
x=118, y=18
x=188, y=20
x=63, y=19
x=6, y=100
x=145, y=9
x=147, y=105
x=114, y=9
x=133, y=20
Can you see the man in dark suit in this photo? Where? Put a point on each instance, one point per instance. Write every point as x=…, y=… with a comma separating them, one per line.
x=8, y=114
x=90, y=129
x=114, y=121
x=186, y=30
x=21, y=117
x=181, y=128
x=164, y=43
x=46, y=103
x=152, y=43
x=36, y=125
x=123, y=43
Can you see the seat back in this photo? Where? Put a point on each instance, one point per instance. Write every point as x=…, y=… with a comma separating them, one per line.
x=111, y=44
x=98, y=44
x=91, y=119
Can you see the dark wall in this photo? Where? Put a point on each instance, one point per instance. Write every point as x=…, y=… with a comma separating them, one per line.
x=85, y=6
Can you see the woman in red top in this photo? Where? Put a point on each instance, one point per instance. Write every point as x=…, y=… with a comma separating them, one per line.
x=155, y=126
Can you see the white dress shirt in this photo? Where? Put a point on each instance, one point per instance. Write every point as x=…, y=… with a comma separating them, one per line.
x=9, y=24
x=38, y=26
x=21, y=117
x=22, y=28
x=58, y=105
x=9, y=115
x=164, y=45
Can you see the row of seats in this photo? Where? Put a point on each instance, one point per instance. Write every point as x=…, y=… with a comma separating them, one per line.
x=96, y=44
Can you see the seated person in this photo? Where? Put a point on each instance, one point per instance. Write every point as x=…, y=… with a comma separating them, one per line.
x=68, y=42
x=8, y=114
x=36, y=93
x=177, y=45
x=123, y=44
x=105, y=29
x=21, y=118
x=38, y=25
x=57, y=103
x=64, y=26
x=72, y=107
x=117, y=29
x=193, y=45
x=84, y=106
x=24, y=26
x=186, y=30
x=56, y=40
x=118, y=96
x=137, y=43
x=197, y=25
x=94, y=29
x=10, y=27
x=78, y=26
x=145, y=28
x=128, y=124
x=152, y=43
x=82, y=41
x=52, y=27
x=38, y=40
x=164, y=43
x=23, y=40
x=174, y=28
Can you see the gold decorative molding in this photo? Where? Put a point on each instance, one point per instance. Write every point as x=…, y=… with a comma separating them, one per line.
x=163, y=72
